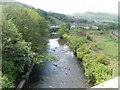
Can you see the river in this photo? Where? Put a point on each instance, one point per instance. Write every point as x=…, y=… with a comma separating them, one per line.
x=65, y=72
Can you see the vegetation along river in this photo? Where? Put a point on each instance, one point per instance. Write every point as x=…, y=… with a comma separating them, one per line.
x=65, y=72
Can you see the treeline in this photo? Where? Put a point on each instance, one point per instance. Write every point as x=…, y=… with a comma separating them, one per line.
x=24, y=41
x=98, y=16
x=109, y=26
x=52, y=18
x=96, y=65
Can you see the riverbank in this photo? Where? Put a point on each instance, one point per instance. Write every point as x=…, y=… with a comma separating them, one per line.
x=94, y=49
x=24, y=78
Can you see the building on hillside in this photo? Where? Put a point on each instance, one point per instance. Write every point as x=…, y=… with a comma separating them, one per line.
x=95, y=27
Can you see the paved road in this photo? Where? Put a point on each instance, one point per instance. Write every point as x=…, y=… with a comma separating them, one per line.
x=115, y=34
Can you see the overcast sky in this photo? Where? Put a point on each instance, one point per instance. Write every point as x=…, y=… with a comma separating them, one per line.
x=73, y=6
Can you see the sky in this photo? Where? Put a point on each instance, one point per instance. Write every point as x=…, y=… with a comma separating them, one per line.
x=74, y=6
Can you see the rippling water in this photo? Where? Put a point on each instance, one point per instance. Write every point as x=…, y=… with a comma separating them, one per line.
x=65, y=72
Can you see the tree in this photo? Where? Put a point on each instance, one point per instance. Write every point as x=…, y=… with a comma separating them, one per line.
x=113, y=26
x=16, y=53
x=24, y=39
x=105, y=26
x=82, y=21
x=68, y=26
x=33, y=27
x=62, y=30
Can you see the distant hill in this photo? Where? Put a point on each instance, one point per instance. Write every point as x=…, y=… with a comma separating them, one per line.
x=51, y=17
x=55, y=18
x=98, y=16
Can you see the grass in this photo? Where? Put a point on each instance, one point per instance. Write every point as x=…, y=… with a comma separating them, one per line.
x=110, y=48
x=107, y=45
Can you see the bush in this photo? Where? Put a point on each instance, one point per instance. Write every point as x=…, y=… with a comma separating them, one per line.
x=89, y=37
x=97, y=69
x=82, y=51
x=87, y=61
x=102, y=73
x=98, y=73
x=102, y=59
x=8, y=81
x=90, y=73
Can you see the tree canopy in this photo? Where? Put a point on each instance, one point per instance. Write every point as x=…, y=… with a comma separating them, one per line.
x=24, y=40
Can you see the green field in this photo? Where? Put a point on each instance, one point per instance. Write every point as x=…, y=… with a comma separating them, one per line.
x=107, y=45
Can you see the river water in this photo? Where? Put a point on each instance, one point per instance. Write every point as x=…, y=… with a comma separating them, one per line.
x=65, y=72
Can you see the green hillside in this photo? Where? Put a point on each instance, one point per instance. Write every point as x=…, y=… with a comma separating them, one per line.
x=100, y=17
x=55, y=18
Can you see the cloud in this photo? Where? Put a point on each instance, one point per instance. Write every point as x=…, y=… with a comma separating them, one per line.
x=72, y=6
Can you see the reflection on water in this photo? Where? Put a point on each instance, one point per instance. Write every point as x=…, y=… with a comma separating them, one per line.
x=53, y=43
x=63, y=73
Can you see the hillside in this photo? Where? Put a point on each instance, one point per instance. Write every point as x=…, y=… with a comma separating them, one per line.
x=52, y=18
x=99, y=17
x=55, y=18
x=18, y=4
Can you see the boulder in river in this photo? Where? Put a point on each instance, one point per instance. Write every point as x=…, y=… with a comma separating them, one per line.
x=55, y=65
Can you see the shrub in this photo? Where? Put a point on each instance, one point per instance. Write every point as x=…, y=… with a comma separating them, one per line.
x=89, y=37
x=8, y=81
x=97, y=69
x=102, y=73
x=82, y=51
x=90, y=72
x=87, y=60
x=102, y=59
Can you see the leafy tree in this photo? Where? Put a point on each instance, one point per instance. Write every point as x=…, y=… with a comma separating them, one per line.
x=113, y=26
x=17, y=53
x=106, y=26
x=68, y=26
x=33, y=27
x=82, y=21
x=24, y=39
x=63, y=29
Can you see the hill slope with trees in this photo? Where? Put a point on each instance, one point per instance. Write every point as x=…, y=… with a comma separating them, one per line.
x=24, y=41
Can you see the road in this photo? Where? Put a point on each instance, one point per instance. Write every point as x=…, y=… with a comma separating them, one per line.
x=115, y=34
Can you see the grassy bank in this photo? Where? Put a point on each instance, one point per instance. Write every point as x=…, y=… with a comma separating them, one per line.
x=98, y=51
x=109, y=46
